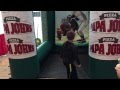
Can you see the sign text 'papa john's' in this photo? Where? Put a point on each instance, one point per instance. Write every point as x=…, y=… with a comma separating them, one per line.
x=105, y=35
x=19, y=34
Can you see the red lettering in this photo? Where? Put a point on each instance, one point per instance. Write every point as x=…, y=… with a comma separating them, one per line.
x=119, y=26
x=28, y=28
x=9, y=49
x=13, y=28
x=92, y=48
x=29, y=48
x=20, y=28
x=99, y=26
x=114, y=26
x=101, y=49
x=23, y=48
x=17, y=28
x=118, y=48
x=6, y=29
x=113, y=49
x=32, y=48
x=108, y=53
x=20, y=50
x=111, y=26
x=15, y=46
x=97, y=48
x=103, y=27
x=93, y=27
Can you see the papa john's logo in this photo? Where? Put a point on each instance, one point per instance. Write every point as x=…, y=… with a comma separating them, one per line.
x=11, y=18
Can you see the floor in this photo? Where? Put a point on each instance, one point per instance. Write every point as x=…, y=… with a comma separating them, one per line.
x=53, y=68
x=4, y=68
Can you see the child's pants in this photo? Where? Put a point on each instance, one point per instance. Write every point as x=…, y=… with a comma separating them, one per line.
x=71, y=71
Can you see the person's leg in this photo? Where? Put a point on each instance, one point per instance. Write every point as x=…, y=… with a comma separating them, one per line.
x=74, y=72
x=68, y=70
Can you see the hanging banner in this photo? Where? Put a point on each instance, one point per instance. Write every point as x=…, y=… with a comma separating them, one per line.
x=19, y=34
x=78, y=21
x=104, y=35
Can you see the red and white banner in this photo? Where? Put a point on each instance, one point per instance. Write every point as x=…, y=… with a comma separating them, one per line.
x=104, y=35
x=19, y=33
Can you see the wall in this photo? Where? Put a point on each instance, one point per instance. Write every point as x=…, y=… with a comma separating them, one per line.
x=44, y=25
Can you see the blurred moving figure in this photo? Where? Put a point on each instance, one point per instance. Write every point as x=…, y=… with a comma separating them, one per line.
x=69, y=54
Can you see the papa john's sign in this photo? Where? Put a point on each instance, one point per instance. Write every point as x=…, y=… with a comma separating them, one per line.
x=104, y=35
x=19, y=34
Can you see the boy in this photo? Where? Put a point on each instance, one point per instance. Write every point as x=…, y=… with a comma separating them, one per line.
x=69, y=54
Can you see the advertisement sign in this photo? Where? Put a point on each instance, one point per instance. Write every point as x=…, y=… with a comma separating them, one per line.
x=78, y=21
x=19, y=34
x=104, y=40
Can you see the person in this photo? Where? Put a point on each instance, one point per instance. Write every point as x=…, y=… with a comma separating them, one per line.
x=65, y=26
x=59, y=32
x=69, y=55
x=78, y=23
x=117, y=68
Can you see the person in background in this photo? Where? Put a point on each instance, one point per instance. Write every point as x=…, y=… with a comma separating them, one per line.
x=59, y=34
x=69, y=55
x=78, y=23
x=65, y=26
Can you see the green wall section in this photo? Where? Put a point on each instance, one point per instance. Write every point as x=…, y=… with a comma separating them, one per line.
x=29, y=68
x=51, y=26
x=43, y=50
x=44, y=25
x=24, y=68
x=102, y=69
x=48, y=25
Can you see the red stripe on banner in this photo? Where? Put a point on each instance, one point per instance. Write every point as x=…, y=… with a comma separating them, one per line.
x=3, y=46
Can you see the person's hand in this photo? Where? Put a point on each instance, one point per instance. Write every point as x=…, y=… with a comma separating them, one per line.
x=117, y=68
